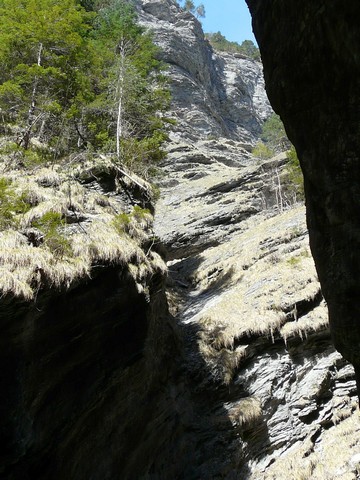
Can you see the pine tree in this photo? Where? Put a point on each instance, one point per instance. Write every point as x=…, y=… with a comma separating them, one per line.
x=44, y=59
x=81, y=74
x=134, y=92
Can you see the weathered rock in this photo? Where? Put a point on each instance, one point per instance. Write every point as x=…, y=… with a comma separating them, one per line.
x=210, y=188
x=214, y=94
x=312, y=72
x=95, y=384
x=76, y=368
x=245, y=290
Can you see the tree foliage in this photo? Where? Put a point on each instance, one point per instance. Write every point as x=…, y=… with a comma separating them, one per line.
x=44, y=57
x=294, y=175
x=79, y=74
x=290, y=182
x=189, y=6
x=220, y=42
x=274, y=135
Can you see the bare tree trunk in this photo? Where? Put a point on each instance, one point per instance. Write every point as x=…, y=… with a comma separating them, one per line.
x=120, y=96
x=278, y=189
x=31, y=112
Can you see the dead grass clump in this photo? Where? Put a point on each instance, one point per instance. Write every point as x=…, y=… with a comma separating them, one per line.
x=15, y=283
x=48, y=177
x=134, y=224
x=223, y=362
x=53, y=253
x=57, y=206
x=25, y=268
x=246, y=413
x=102, y=244
x=315, y=321
x=64, y=273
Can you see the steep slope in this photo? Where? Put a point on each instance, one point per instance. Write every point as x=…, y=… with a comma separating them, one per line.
x=270, y=392
x=84, y=326
x=241, y=380
x=210, y=95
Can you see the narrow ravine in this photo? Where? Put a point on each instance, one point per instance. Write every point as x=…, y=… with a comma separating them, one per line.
x=264, y=382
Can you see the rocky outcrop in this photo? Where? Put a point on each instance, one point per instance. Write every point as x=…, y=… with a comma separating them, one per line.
x=87, y=344
x=312, y=76
x=270, y=392
x=73, y=370
x=213, y=94
x=271, y=389
x=241, y=380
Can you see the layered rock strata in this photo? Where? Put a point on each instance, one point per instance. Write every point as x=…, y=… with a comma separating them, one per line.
x=213, y=94
x=272, y=392
x=269, y=392
x=98, y=384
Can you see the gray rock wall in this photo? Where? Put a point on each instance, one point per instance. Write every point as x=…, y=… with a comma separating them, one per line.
x=214, y=94
x=97, y=383
x=312, y=70
x=268, y=394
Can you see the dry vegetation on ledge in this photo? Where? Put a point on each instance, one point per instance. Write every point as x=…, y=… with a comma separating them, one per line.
x=71, y=223
x=268, y=288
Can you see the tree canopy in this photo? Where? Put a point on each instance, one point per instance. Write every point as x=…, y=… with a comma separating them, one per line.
x=219, y=42
x=80, y=73
x=189, y=6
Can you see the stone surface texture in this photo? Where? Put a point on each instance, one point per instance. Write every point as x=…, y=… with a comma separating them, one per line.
x=313, y=82
x=214, y=94
x=240, y=380
x=274, y=394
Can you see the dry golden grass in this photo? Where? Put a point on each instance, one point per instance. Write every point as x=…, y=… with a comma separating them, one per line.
x=93, y=240
x=221, y=361
x=314, y=321
x=268, y=270
x=246, y=413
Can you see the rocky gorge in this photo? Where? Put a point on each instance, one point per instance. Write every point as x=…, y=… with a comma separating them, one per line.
x=221, y=366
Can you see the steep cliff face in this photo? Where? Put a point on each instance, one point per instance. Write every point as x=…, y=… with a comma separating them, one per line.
x=242, y=379
x=213, y=94
x=74, y=366
x=270, y=393
x=86, y=339
x=312, y=65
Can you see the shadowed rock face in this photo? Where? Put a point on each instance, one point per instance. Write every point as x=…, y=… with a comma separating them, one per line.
x=76, y=368
x=312, y=72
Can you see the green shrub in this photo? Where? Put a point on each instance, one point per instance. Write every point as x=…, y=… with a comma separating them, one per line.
x=262, y=151
x=7, y=210
x=126, y=223
x=247, y=47
x=122, y=222
x=140, y=213
x=31, y=157
x=11, y=204
x=50, y=224
x=292, y=179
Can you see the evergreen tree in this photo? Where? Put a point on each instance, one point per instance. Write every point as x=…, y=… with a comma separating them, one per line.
x=134, y=93
x=200, y=11
x=219, y=42
x=190, y=6
x=80, y=73
x=274, y=135
x=44, y=59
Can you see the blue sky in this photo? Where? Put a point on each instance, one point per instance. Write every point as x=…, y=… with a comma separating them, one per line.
x=230, y=17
